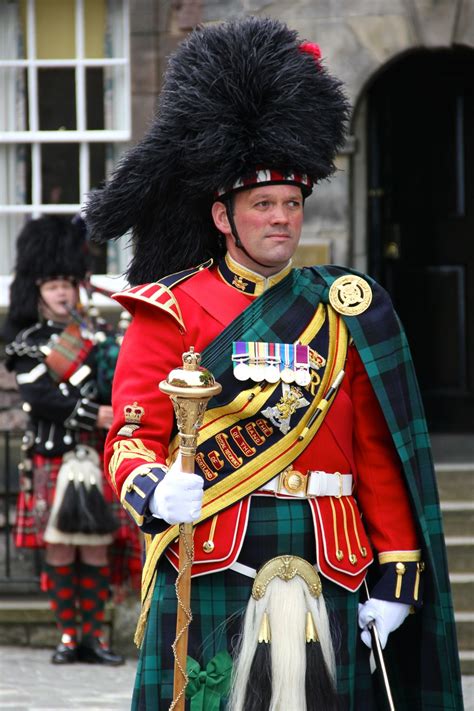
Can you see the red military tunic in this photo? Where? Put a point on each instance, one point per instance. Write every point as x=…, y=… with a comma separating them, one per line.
x=353, y=437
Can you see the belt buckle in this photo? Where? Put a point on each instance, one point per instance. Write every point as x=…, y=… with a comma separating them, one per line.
x=339, y=479
x=293, y=482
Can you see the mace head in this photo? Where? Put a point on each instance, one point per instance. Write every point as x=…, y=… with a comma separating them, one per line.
x=191, y=380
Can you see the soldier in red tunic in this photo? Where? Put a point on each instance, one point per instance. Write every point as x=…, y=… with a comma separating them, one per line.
x=298, y=484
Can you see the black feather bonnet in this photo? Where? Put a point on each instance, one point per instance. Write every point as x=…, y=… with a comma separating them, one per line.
x=236, y=97
x=47, y=248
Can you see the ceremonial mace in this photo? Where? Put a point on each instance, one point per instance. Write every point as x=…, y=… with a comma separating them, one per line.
x=190, y=388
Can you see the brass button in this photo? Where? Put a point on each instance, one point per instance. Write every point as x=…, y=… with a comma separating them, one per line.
x=208, y=546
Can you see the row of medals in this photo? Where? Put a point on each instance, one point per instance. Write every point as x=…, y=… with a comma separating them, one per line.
x=258, y=361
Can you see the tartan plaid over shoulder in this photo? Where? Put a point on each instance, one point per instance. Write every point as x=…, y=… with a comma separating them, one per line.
x=423, y=660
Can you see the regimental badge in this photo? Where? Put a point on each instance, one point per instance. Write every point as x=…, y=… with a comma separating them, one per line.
x=133, y=415
x=291, y=400
x=350, y=295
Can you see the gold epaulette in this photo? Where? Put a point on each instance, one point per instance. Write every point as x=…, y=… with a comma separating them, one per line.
x=154, y=294
x=159, y=294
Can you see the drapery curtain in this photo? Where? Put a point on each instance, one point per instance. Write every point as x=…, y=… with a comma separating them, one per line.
x=13, y=118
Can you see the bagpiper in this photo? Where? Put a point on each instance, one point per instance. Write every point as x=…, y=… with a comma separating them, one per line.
x=65, y=506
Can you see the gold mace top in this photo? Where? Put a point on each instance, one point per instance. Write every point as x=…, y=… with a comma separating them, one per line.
x=191, y=381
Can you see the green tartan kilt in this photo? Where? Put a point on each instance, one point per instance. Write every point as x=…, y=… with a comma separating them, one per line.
x=218, y=602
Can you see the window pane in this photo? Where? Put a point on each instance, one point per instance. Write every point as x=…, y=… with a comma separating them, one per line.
x=97, y=158
x=57, y=99
x=95, y=19
x=97, y=163
x=60, y=172
x=98, y=258
x=57, y=14
x=116, y=98
x=95, y=98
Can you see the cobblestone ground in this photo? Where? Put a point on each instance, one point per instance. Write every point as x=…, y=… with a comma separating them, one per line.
x=28, y=682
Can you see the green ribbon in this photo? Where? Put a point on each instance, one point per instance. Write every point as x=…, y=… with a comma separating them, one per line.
x=207, y=688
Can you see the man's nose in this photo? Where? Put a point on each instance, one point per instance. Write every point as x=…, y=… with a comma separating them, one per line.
x=279, y=214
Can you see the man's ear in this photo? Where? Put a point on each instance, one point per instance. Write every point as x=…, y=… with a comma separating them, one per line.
x=219, y=215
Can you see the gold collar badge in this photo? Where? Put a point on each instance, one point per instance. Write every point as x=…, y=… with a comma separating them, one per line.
x=239, y=283
x=350, y=295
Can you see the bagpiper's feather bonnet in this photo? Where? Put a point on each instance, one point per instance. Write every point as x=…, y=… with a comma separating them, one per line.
x=237, y=97
x=49, y=247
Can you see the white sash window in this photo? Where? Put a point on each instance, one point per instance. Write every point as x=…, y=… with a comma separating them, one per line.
x=64, y=110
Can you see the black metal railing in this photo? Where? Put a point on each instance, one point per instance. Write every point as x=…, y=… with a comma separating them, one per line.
x=19, y=567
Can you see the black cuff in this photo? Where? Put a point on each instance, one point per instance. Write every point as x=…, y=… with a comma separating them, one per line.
x=137, y=491
x=400, y=581
x=84, y=416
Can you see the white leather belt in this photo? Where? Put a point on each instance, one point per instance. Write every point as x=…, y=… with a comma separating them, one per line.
x=303, y=486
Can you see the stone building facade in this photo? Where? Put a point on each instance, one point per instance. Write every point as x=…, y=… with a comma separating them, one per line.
x=376, y=47
x=358, y=40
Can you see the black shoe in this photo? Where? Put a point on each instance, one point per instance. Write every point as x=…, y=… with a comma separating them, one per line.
x=94, y=652
x=64, y=654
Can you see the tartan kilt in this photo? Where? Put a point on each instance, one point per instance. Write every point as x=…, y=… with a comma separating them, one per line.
x=218, y=602
x=33, y=510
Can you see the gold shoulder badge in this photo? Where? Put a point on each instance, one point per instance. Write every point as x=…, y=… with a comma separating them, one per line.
x=133, y=415
x=350, y=295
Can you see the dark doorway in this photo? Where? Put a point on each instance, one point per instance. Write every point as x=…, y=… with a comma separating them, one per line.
x=421, y=220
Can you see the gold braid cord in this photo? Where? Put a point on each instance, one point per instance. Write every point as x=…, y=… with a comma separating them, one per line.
x=187, y=611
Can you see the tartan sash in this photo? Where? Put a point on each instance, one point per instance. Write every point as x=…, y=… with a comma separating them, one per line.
x=384, y=350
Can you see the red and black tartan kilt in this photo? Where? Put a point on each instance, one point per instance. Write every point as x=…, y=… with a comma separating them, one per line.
x=33, y=510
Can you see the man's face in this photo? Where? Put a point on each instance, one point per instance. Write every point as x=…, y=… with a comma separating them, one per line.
x=269, y=221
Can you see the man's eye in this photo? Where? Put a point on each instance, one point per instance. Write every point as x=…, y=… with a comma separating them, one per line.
x=294, y=203
x=262, y=203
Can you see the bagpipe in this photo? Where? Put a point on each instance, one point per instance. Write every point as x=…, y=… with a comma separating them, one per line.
x=87, y=344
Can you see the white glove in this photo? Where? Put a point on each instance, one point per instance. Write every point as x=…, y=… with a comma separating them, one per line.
x=178, y=497
x=388, y=616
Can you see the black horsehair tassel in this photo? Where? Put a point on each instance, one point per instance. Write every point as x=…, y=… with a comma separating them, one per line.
x=320, y=692
x=259, y=684
x=68, y=514
x=100, y=511
x=87, y=523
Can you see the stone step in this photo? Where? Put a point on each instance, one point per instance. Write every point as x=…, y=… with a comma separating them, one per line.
x=460, y=550
x=29, y=620
x=462, y=586
x=458, y=517
x=467, y=663
x=465, y=630
x=455, y=481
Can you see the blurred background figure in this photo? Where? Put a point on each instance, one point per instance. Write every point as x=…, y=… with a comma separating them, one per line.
x=63, y=360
